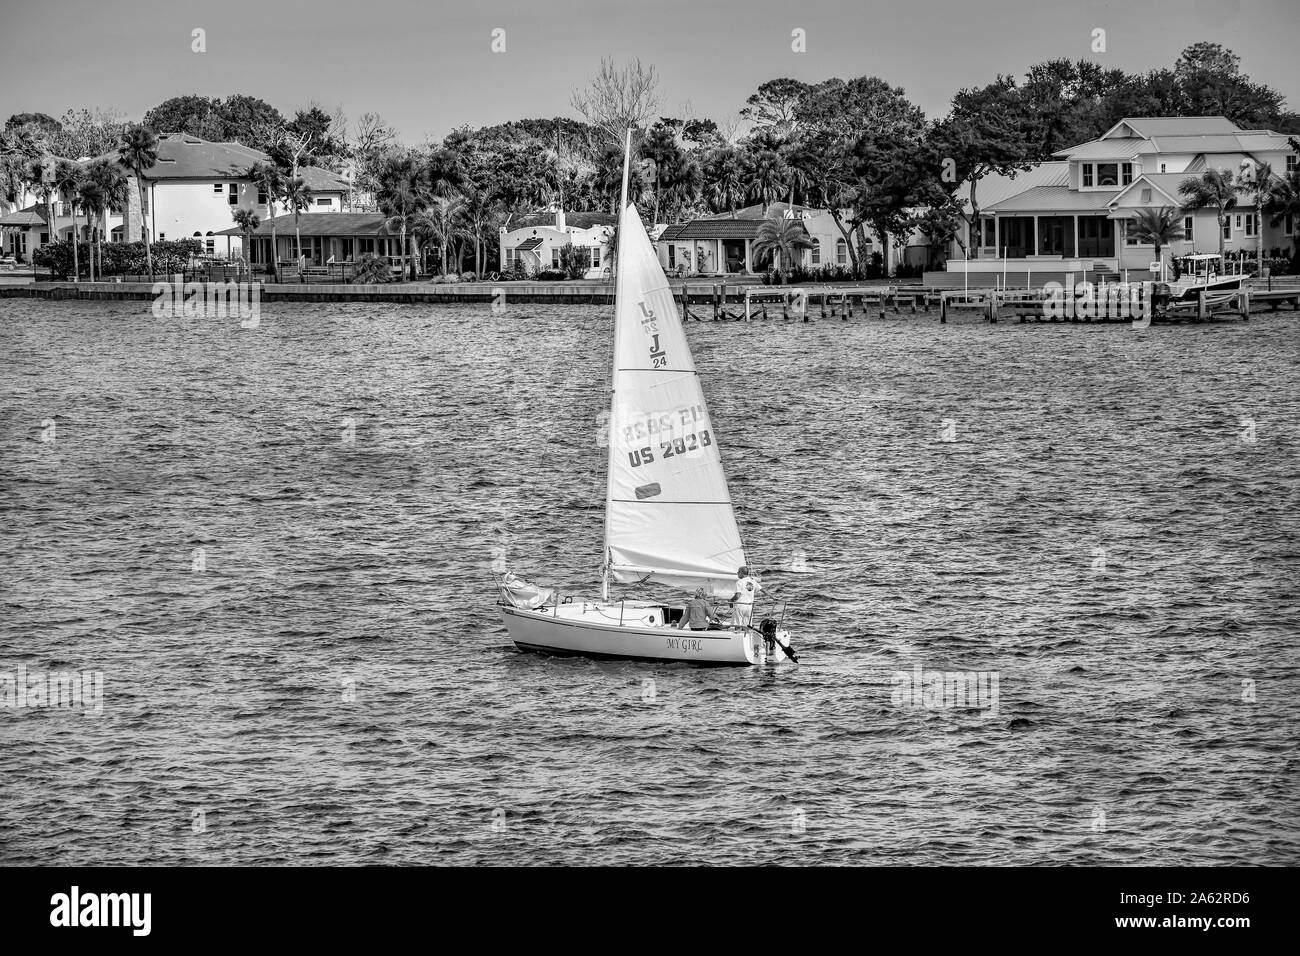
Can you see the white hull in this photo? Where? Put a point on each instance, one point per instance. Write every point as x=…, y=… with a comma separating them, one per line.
x=594, y=631
x=1185, y=289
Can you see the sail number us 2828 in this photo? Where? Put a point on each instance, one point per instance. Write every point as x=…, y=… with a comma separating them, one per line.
x=667, y=449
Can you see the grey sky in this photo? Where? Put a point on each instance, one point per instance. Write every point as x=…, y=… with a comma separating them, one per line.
x=427, y=66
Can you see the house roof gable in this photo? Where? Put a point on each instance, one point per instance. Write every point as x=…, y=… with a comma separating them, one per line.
x=1147, y=126
x=181, y=156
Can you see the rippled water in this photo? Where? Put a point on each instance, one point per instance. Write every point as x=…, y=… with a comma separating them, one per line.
x=1111, y=531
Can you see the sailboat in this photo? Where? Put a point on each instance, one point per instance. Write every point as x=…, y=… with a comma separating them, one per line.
x=668, y=512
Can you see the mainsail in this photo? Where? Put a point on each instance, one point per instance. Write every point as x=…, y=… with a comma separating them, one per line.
x=668, y=515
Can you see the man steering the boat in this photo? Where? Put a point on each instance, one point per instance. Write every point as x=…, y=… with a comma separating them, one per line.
x=742, y=602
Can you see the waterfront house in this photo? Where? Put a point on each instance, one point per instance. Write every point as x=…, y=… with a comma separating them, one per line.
x=722, y=244
x=327, y=238
x=536, y=240
x=25, y=229
x=195, y=186
x=1071, y=214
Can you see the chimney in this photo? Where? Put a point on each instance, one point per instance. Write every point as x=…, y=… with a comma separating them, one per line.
x=559, y=218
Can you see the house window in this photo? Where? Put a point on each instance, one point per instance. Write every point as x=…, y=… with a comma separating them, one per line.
x=1237, y=224
x=161, y=236
x=672, y=257
x=261, y=196
x=841, y=252
x=218, y=189
x=211, y=246
x=1146, y=195
x=555, y=257
x=233, y=198
x=323, y=201
x=1126, y=174
x=1187, y=228
x=1087, y=175
x=1108, y=174
x=1227, y=228
x=815, y=257
x=1250, y=224
x=1129, y=240
x=1291, y=162
x=595, y=257
x=1162, y=167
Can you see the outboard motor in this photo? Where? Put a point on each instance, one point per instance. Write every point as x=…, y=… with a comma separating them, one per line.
x=775, y=636
x=1161, y=295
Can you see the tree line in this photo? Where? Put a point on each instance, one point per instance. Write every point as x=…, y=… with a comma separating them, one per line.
x=858, y=148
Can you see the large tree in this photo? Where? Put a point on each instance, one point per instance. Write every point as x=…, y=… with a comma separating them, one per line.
x=619, y=98
x=845, y=126
x=986, y=133
x=776, y=104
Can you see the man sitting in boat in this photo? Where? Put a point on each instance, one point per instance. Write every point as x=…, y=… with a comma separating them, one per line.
x=742, y=602
x=698, y=613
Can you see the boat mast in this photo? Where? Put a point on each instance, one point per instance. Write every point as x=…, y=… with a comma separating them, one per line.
x=622, y=208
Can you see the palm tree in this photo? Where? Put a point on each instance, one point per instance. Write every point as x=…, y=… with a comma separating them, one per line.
x=67, y=176
x=660, y=148
x=39, y=177
x=137, y=152
x=683, y=181
x=1213, y=189
x=269, y=179
x=442, y=224
x=783, y=238
x=404, y=189
x=91, y=196
x=105, y=188
x=766, y=175
x=247, y=221
x=297, y=196
x=1284, y=200
x=1257, y=192
x=482, y=216
x=726, y=177
x=1160, y=227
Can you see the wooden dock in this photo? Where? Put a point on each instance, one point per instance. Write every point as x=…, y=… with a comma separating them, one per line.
x=728, y=301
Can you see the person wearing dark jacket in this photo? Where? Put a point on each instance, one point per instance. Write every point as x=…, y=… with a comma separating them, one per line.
x=698, y=613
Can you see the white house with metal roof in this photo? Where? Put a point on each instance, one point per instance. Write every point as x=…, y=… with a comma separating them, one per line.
x=196, y=185
x=1070, y=214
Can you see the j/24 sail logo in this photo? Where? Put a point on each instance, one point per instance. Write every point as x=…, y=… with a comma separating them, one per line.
x=650, y=323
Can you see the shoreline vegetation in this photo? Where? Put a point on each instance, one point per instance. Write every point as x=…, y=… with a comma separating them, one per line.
x=858, y=148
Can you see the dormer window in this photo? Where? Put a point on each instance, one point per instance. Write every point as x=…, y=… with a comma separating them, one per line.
x=1105, y=175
